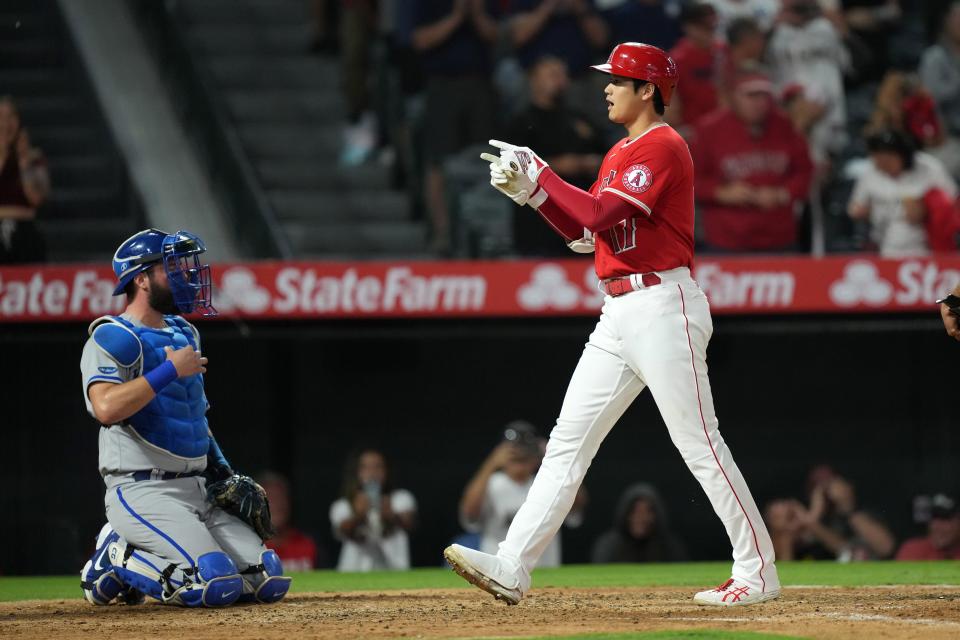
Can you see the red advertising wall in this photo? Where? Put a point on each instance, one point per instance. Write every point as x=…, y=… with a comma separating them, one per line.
x=315, y=290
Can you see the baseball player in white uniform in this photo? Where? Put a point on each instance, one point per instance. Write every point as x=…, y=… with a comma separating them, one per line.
x=653, y=332
x=142, y=377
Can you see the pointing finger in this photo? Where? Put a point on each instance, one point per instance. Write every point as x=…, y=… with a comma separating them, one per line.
x=505, y=146
x=489, y=157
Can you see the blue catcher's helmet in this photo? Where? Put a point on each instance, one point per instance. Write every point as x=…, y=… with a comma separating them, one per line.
x=137, y=254
x=179, y=252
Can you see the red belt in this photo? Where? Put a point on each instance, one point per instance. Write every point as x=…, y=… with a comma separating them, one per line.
x=625, y=284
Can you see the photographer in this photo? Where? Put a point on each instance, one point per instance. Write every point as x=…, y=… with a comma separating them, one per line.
x=498, y=488
x=950, y=311
x=372, y=518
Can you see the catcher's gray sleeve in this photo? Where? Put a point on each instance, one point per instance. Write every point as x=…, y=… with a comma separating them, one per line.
x=97, y=366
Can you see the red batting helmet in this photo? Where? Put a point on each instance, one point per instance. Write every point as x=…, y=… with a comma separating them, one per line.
x=643, y=62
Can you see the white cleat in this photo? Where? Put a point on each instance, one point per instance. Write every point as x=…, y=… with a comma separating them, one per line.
x=734, y=594
x=484, y=571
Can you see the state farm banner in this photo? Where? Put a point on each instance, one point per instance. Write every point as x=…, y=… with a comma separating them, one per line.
x=316, y=290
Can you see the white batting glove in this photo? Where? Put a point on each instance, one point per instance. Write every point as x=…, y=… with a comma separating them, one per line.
x=515, y=186
x=521, y=160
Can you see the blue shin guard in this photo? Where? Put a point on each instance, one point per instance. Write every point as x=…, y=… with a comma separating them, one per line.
x=218, y=584
x=266, y=583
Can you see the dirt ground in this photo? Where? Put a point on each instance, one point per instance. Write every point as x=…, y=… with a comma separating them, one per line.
x=876, y=612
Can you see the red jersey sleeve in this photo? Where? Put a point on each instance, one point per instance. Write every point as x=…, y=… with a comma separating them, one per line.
x=570, y=210
x=643, y=175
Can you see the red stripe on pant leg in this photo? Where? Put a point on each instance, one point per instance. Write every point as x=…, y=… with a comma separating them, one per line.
x=756, y=544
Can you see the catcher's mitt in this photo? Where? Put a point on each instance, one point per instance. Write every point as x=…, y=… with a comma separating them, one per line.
x=241, y=496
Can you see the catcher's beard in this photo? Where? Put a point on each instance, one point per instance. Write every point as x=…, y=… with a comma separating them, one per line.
x=161, y=298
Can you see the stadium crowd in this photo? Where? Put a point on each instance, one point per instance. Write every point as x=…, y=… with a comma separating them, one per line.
x=816, y=125
x=373, y=518
x=811, y=100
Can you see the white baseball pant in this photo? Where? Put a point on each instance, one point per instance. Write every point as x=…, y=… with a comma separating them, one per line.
x=656, y=337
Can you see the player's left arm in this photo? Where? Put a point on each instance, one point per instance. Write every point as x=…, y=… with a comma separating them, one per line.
x=218, y=467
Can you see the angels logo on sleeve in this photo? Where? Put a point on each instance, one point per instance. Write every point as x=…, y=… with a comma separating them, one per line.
x=638, y=178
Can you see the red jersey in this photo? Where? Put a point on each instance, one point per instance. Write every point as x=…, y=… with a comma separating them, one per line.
x=653, y=172
x=699, y=70
x=923, y=549
x=297, y=550
x=727, y=151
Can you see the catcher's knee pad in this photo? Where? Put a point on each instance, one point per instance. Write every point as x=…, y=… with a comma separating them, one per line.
x=265, y=581
x=217, y=584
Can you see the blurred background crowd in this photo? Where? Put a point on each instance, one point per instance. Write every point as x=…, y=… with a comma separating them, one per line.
x=351, y=129
x=816, y=125
x=374, y=517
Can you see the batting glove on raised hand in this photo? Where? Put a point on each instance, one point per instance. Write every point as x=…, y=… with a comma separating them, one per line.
x=515, y=186
x=520, y=160
x=514, y=173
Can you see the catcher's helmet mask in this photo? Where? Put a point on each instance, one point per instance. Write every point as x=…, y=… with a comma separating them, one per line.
x=179, y=253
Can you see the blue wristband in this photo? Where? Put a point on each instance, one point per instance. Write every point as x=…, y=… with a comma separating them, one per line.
x=161, y=376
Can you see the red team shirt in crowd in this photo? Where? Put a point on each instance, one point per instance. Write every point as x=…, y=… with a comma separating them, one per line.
x=923, y=549
x=775, y=155
x=697, y=69
x=297, y=550
x=653, y=172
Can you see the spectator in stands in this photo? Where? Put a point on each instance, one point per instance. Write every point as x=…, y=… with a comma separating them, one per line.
x=699, y=56
x=940, y=71
x=641, y=531
x=891, y=190
x=24, y=185
x=934, y=12
x=565, y=138
x=806, y=52
x=297, y=550
x=453, y=38
x=357, y=22
x=762, y=11
x=870, y=23
x=648, y=21
x=950, y=312
x=942, y=541
x=498, y=488
x=571, y=30
x=904, y=105
x=372, y=517
x=746, y=42
x=830, y=526
x=753, y=171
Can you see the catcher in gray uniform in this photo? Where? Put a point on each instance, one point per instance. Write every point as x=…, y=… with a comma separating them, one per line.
x=181, y=526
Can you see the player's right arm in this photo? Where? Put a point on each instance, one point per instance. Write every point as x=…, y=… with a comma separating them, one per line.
x=471, y=504
x=110, y=356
